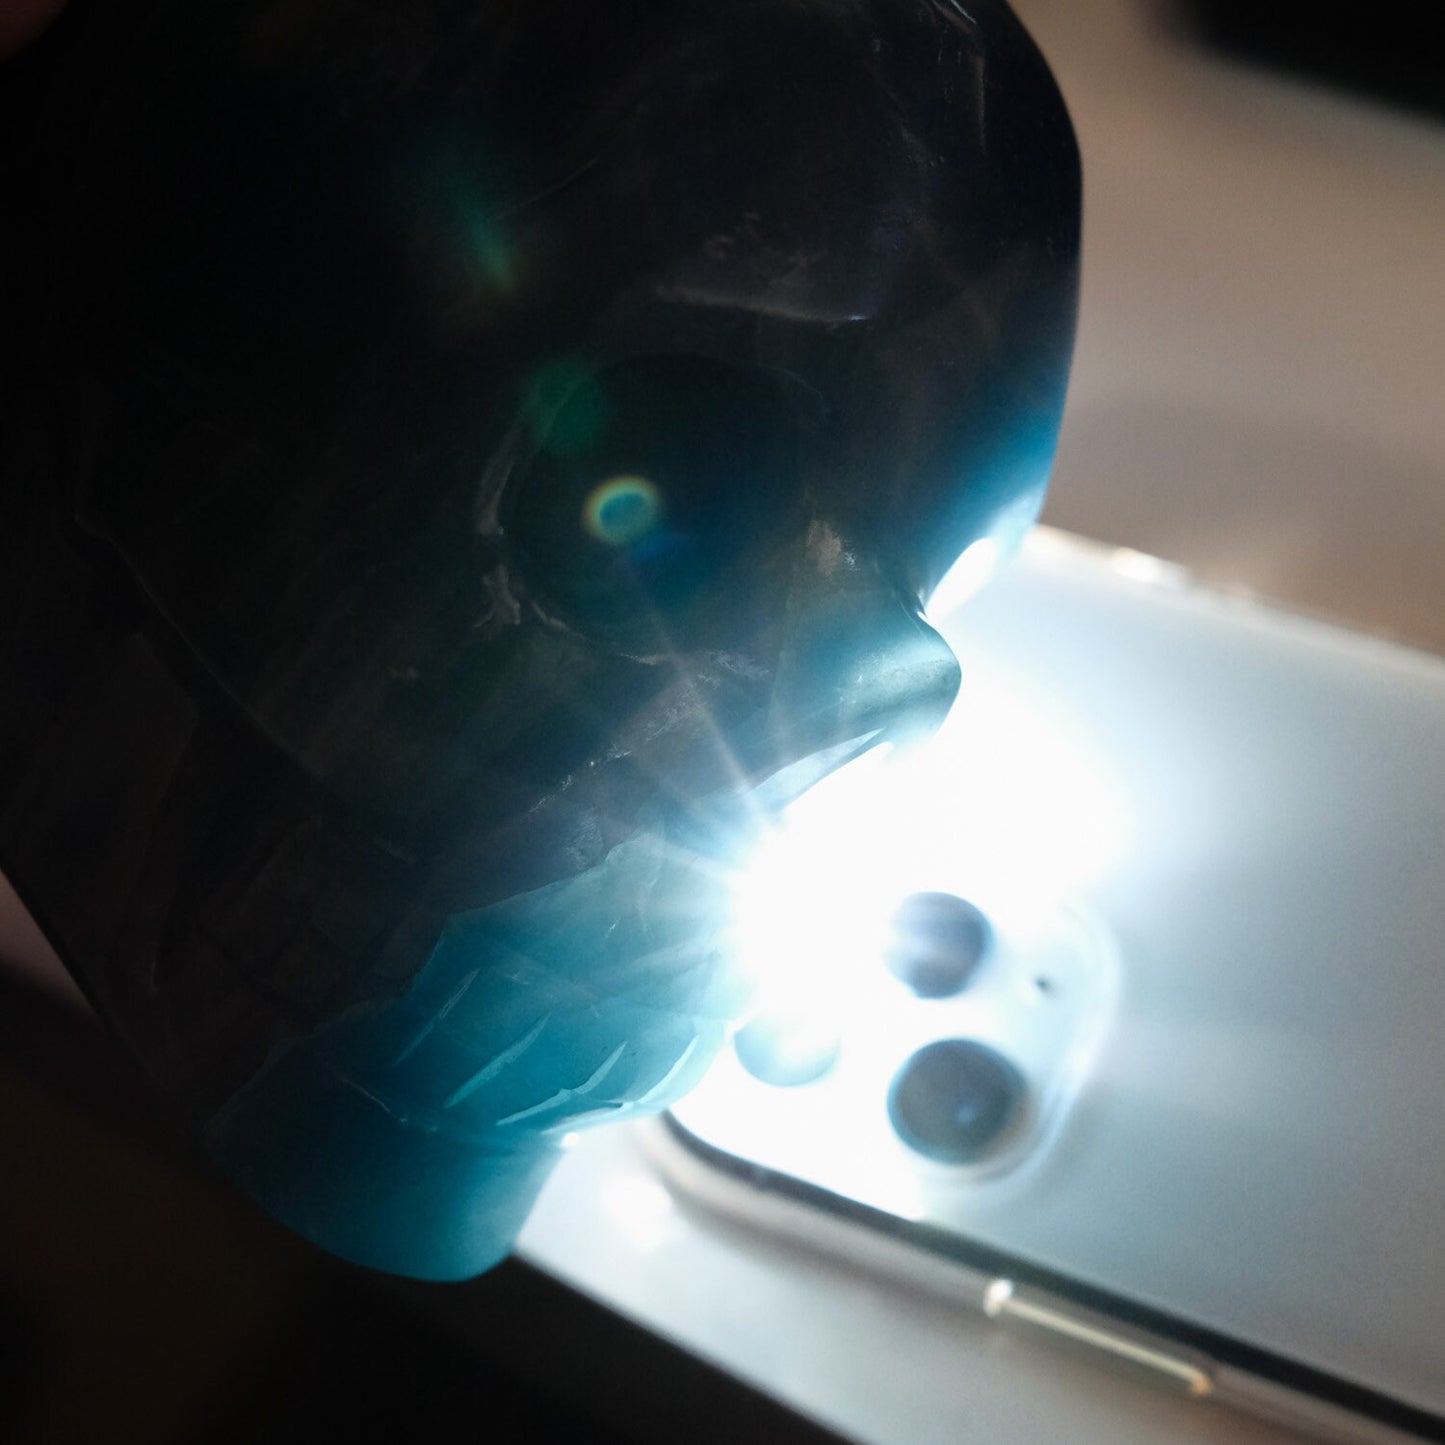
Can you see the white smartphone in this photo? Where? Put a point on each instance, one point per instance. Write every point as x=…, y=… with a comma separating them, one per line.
x=1119, y=1006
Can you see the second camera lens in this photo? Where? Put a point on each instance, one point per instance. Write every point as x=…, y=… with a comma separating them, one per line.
x=954, y=1099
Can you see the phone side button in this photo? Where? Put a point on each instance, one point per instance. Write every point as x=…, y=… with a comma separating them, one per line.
x=1139, y=1354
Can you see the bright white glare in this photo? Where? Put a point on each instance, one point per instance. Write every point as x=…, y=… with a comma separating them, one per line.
x=811, y=911
x=1141, y=567
x=967, y=576
x=1052, y=544
x=639, y=1207
x=1064, y=549
x=1004, y=807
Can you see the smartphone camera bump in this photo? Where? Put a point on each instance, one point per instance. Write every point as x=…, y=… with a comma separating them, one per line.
x=954, y=1100
x=958, y=1041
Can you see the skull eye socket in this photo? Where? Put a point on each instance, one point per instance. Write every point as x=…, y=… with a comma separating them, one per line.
x=651, y=481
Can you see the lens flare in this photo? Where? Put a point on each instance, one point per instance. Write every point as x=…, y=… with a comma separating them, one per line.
x=622, y=510
x=1005, y=807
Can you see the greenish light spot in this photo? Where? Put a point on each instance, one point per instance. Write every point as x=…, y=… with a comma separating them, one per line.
x=622, y=510
x=566, y=407
x=484, y=241
x=496, y=258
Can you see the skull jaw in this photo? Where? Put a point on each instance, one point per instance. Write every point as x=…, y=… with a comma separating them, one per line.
x=333, y=1164
x=413, y=1136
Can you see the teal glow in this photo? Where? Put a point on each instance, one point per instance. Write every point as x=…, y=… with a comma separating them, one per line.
x=414, y=1135
x=490, y=248
x=566, y=407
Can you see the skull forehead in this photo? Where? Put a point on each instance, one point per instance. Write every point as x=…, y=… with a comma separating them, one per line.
x=501, y=163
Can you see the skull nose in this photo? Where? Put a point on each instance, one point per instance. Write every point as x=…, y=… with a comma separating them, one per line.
x=861, y=667
x=856, y=670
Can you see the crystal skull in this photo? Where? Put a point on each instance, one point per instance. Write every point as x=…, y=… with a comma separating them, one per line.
x=487, y=457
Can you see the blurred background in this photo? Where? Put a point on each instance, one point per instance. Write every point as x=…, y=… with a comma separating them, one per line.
x=1257, y=387
x=1257, y=396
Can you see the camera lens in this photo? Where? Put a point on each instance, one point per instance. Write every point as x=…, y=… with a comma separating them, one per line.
x=786, y=1050
x=954, y=1099
x=937, y=941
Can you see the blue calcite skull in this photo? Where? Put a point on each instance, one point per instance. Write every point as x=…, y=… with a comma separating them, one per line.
x=480, y=460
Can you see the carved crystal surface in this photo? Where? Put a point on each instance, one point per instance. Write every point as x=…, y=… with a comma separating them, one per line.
x=487, y=443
